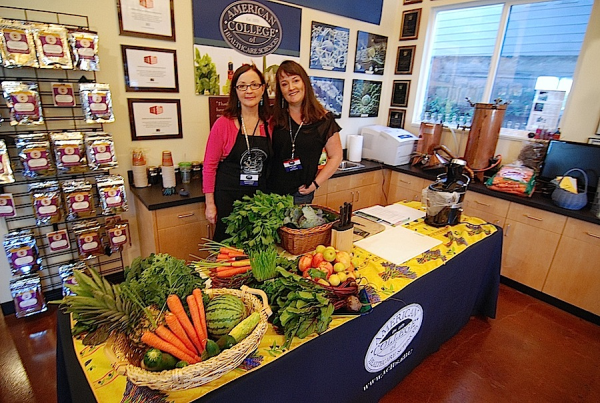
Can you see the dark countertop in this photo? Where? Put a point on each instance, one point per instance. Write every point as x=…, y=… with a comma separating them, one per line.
x=153, y=199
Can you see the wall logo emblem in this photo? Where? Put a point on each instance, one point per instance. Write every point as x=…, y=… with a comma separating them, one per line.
x=251, y=28
x=394, y=336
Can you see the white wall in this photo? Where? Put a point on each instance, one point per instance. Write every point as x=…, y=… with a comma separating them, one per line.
x=580, y=120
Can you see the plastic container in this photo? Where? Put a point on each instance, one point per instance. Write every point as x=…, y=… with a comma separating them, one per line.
x=185, y=170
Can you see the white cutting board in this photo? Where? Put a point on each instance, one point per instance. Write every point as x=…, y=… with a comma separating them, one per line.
x=397, y=244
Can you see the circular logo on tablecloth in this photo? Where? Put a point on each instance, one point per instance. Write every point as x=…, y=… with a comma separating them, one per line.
x=251, y=28
x=394, y=336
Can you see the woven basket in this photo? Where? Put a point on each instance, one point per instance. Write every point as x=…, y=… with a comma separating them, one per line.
x=203, y=372
x=338, y=295
x=568, y=200
x=298, y=241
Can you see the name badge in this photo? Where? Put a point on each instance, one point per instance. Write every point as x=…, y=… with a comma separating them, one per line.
x=292, y=165
x=249, y=179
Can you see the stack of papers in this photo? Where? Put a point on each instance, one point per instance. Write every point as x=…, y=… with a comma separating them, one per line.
x=394, y=214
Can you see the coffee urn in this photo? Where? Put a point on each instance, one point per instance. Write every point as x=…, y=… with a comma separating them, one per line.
x=445, y=196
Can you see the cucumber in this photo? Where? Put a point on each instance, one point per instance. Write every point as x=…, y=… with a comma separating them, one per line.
x=156, y=360
x=245, y=327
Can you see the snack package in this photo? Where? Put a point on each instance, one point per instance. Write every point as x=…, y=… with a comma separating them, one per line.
x=23, y=100
x=79, y=199
x=27, y=295
x=7, y=205
x=118, y=235
x=58, y=240
x=96, y=103
x=513, y=178
x=111, y=192
x=22, y=252
x=100, y=149
x=66, y=273
x=84, y=45
x=47, y=202
x=52, y=46
x=89, y=238
x=16, y=46
x=63, y=95
x=35, y=155
x=69, y=151
x=6, y=173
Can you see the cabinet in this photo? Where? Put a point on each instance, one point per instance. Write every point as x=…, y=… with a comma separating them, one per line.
x=362, y=190
x=488, y=208
x=405, y=187
x=574, y=275
x=173, y=230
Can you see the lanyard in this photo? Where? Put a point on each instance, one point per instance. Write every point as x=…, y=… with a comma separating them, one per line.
x=293, y=138
x=246, y=132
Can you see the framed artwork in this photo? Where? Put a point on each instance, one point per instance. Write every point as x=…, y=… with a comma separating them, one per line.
x=370, y=53
x=365, y=98
x=400, y=93
x=328, y=47
x=396, y=118
x=411, y=19
x=147, y=18
x=330, y=92
x=155, y=119
x=407, y=2
x=150, y=69
x=405, y=59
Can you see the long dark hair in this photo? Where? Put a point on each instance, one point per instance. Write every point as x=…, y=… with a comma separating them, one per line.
x=312, y=110
x=233, y=108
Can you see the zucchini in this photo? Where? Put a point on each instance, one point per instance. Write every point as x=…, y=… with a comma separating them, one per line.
x=245, y=327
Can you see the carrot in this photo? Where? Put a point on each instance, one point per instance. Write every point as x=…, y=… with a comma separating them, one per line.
x=176, y=328
x=233, y=254
x=197, y=293
x=195, y=314
x=175, y=306
x=231, y=271
x=170, y=337
x=222, y=256
x=153, y=340
x=229, y=249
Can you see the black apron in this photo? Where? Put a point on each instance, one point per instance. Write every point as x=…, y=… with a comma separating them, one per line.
x=227, y=184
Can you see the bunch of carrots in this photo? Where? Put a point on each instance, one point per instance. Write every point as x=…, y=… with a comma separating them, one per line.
x=182, y=338
x=227, y=262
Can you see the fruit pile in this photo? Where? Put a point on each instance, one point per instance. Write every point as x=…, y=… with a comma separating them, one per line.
x=327, y=266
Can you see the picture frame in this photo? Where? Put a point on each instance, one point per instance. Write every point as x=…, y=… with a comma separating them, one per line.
x=396, y=118
x=154, y=19
x=150, y=69
x=408, y=2
x=405, y=59
x=370, y=53
x=328, y=47
x=365, y=98
x=330, y=93
x=400, y=92
x=411, y=20
x=155, y=119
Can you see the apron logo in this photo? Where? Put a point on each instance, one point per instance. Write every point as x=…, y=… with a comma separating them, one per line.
x=251, y=28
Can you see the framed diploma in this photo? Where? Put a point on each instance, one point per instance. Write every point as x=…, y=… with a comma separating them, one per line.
x=155, y=119
x=396, y=118
x=150, y=69
x=400, y=93
x=411, y=20
x=147, y=18
x=405, y=59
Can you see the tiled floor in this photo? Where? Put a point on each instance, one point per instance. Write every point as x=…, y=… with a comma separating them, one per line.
x=532, y=352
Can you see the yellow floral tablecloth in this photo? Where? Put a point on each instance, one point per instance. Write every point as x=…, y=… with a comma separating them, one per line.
x=381, y=279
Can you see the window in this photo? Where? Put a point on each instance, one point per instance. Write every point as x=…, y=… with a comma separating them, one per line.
x=520, y=52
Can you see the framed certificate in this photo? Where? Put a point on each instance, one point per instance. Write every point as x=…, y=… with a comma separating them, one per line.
x=155, y=119
x=147, y=18
x=396, y=118
x=400, y=93
x=411, y=20
x=405, y=59
x=150, y=69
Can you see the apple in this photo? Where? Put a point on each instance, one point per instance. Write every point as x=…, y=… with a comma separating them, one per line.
x=317, y=259
x=334, y=280
x=305, y=262
x=339, y=267
x=343, y=257
x=320, y=249
x=327, y=267
x=343, y=276
x=329, y=254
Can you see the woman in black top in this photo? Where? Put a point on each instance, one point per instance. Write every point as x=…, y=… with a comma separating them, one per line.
x=303, y=128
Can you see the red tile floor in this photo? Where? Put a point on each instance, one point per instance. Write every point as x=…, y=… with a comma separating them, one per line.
x=532, y=352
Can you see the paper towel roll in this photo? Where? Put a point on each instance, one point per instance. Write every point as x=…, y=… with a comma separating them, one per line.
x=355, y=143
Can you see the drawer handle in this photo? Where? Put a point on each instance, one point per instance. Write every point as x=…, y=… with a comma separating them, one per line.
x=532, y=217
x=593, y=235
x=403, y=181
x=483, y=204
x=185, y=215
x=357, y=195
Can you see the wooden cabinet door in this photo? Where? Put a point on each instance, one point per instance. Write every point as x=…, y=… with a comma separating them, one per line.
x=336, y=199
x=488, y=208
x=182, y=241
x=405, y=187
x=574, y=276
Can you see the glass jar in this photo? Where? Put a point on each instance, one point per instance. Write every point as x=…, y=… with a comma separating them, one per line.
x=185, y=170
x=196, y=170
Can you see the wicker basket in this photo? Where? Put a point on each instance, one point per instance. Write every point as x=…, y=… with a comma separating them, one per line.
x=298, y=241
x=568, y=200
x=203, y=372
x=338, y=295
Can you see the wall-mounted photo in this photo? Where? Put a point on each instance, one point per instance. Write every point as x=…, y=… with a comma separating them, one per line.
x=396, y=118
x=365, y=98
x=328, y=47
x=330, y=92
x=150, y=69
x=405, y=59
x=411, y=19
x=370, y=53
x=155, y=119
x=153, y=19
x=400, y=93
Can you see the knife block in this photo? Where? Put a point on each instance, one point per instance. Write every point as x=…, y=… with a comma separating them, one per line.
x=341, y=239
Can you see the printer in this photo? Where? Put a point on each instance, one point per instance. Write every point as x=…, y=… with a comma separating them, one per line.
x=388, y=145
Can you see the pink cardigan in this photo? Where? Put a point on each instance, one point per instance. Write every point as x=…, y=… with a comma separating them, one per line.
x=221, y=139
